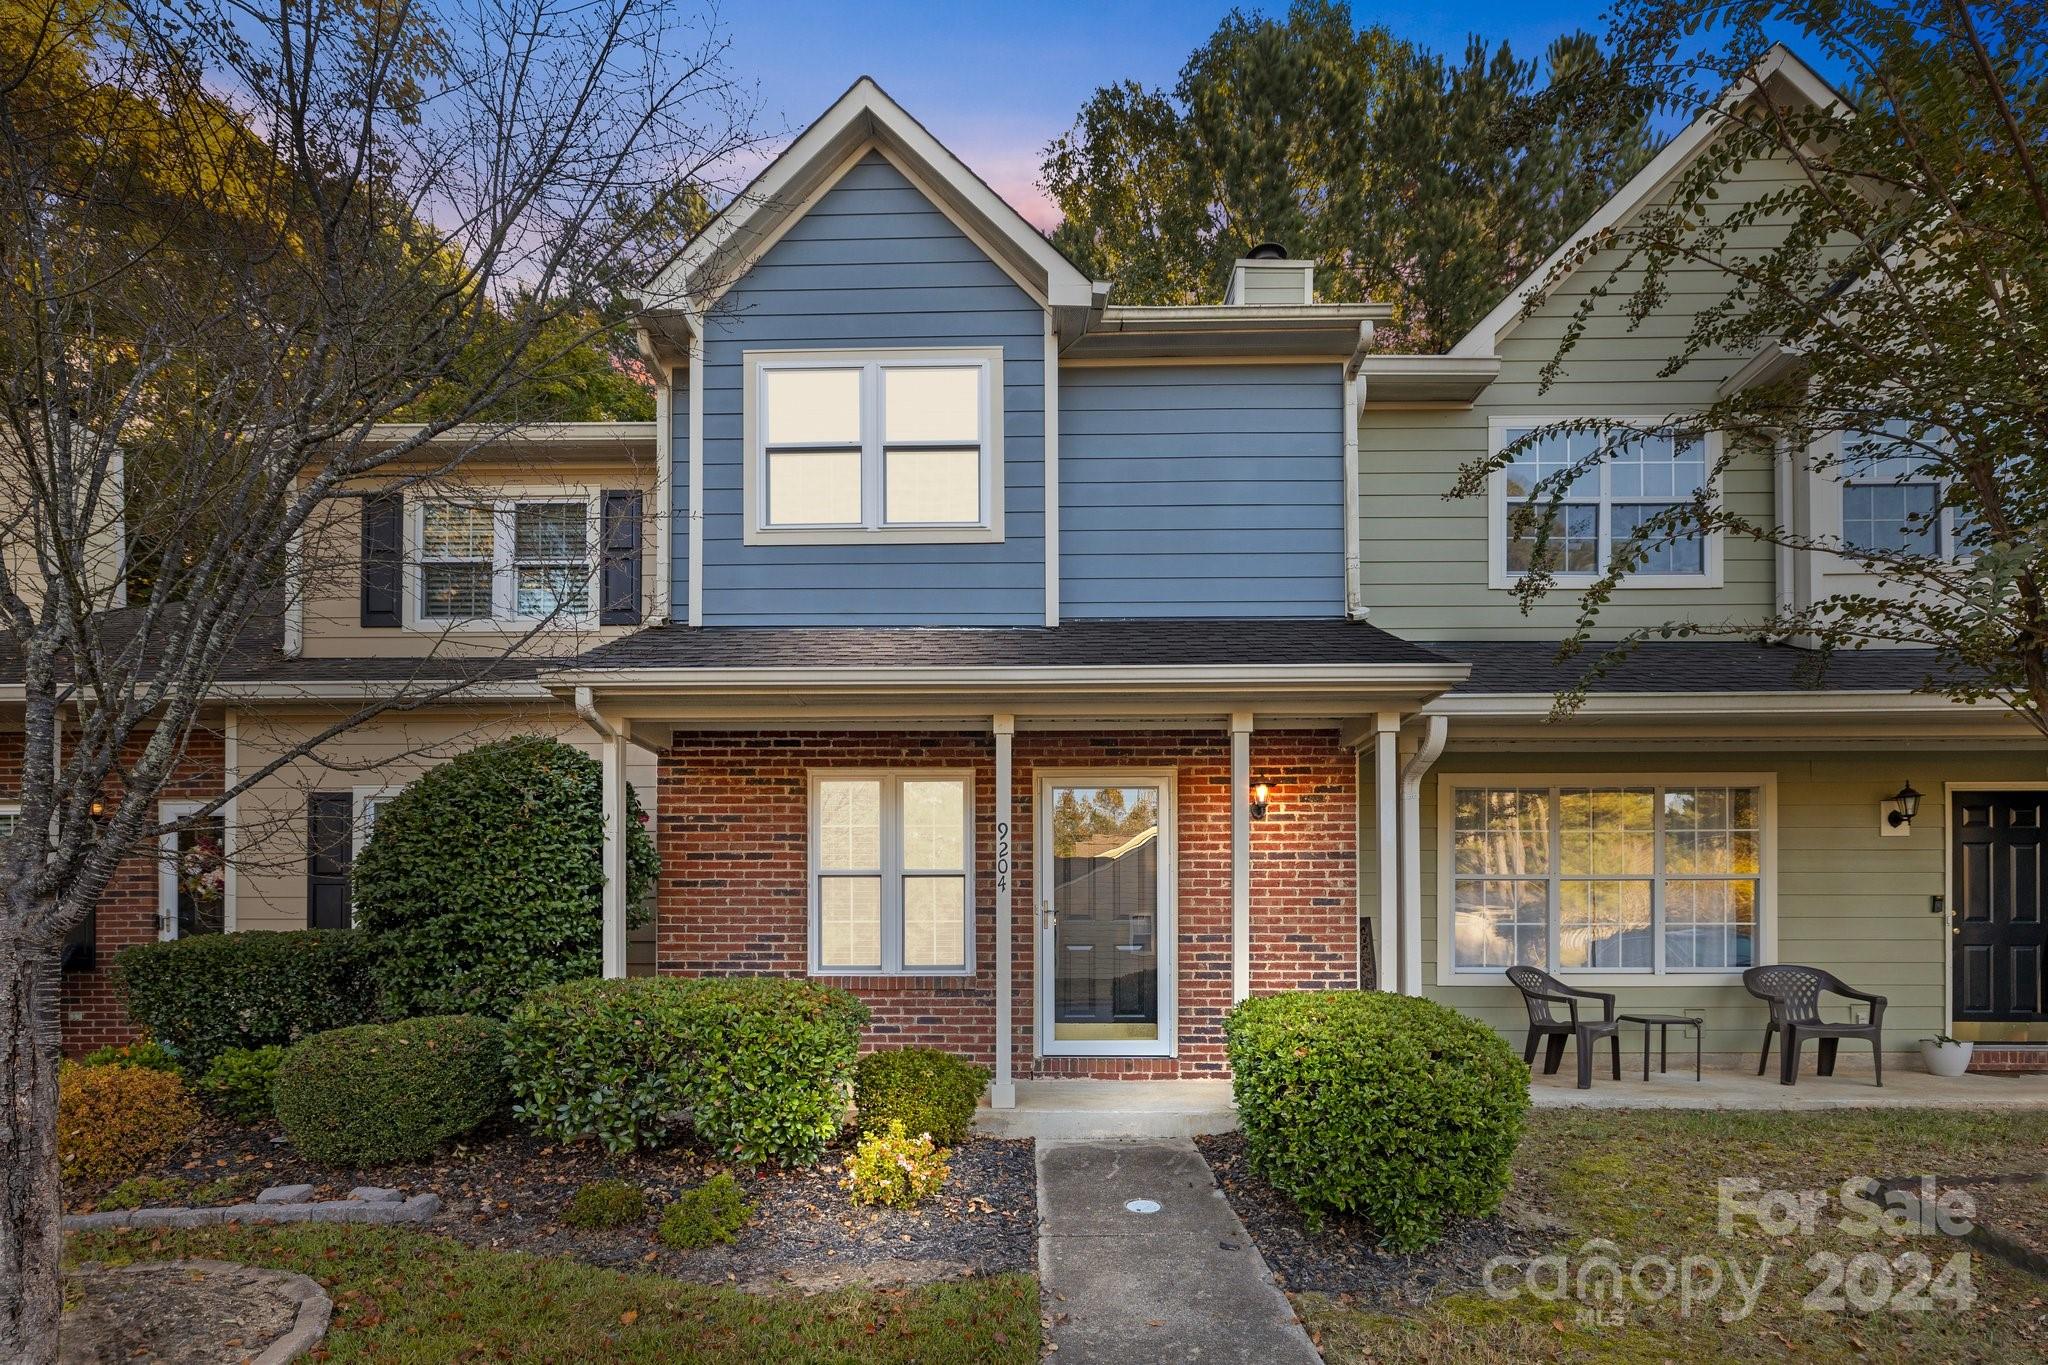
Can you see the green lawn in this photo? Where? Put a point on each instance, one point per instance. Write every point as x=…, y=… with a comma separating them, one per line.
x=408, y=1296
x=1648, y=1183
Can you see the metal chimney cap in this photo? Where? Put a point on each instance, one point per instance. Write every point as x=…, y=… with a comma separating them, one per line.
x=1267, y=251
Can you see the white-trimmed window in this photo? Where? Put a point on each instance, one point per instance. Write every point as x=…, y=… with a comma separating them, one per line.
x=511, y=560
x=1891, y=502
x=891, y=872
x=845, y=447
x=1622, y=877
x=368, y=802
x=1634, y=478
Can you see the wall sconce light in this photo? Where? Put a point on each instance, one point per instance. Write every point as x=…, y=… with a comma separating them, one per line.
x=1903, y=807
x=98, y=809
x=1259, y=800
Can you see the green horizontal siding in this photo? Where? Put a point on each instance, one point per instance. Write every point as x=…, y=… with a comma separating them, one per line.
x=1848, y=898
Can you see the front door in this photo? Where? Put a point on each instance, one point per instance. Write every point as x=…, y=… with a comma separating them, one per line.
x=1105, y=949
x=2000, y=933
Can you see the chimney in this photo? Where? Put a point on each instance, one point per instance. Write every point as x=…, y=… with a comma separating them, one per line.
x=1267, y=275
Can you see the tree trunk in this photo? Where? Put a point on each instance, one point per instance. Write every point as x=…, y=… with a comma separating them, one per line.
x=31, y=1234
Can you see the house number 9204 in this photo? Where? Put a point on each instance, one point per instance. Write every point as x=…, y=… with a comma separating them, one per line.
x=1002, y=855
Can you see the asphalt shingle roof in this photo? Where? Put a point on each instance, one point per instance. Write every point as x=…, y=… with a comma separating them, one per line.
x=1731, y=666
x=1184, y=642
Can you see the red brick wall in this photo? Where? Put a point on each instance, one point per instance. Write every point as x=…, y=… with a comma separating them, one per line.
x=1992, y=1058
x=91, y=1015
x=733, y=897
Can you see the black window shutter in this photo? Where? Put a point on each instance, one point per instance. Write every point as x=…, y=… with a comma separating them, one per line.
x=618, y=581
x=383, y=561
x=330, y=847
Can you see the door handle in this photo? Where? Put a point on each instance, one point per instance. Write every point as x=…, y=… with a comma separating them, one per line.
x=1048, y=917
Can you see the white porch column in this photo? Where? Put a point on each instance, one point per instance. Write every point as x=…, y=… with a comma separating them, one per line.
x=1386, y=738
x=1240, y=855
x=1419, y=764
x=1003, y=1092
x=616, y=813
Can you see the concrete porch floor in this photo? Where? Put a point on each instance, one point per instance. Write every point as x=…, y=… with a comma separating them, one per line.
x=1090, y=1111
x=1741, y=1088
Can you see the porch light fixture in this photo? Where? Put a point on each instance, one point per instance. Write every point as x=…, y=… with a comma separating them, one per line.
x=1904, y=806
x=1259, y=801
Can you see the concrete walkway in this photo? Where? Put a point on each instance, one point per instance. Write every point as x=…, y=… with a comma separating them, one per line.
x=1184, y=1283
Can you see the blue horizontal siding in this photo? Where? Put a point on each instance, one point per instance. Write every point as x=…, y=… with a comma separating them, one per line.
x=872, y=263
x=1210, y=490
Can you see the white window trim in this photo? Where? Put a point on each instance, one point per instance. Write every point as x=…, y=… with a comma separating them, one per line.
x=359, y=823
x=1499, y=576
x=754, y=479
x=1449, y=974
x=892, y=872
x=504, y=578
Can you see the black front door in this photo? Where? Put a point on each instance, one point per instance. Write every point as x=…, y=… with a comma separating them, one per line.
x=2001, y=932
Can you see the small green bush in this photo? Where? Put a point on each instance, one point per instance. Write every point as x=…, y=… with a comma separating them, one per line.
x=1389, y=1107
x=139, y=1191
x=605, y=1204
x=117, y=1121
x=894, y=1168
x=202, y=995
x=760, y=1065
x=379, y=1093
x=239, y=1082
x=484, y=879
x=929, y=1091
x=715, y=1211
x=147, y=1053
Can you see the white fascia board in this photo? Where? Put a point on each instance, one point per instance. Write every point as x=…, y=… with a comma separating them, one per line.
x=1778, y=64
x=1522, y=705
x=864, y=113
x=1427, y=378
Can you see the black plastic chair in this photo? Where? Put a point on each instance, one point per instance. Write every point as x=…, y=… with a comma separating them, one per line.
x=1540, y=990
x=1793, y=993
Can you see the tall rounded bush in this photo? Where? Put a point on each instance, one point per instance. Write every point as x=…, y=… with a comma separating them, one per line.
x=379, y=1093
x=204, y=995
x=761, y=1066
x=1395, y=1109
x=484, y=879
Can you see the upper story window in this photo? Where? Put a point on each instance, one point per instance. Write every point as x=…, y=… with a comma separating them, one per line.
x=1891, y=500
x=845, y=447
x=517, y=560
x=1631, y=479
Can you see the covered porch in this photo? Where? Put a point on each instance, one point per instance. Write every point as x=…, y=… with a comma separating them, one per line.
x=1123, y=877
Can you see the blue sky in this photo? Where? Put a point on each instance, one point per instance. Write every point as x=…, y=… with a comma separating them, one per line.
x=996, y=82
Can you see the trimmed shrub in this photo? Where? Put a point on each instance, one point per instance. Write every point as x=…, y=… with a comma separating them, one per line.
x=714, y=1211
x=771, y=1066
x=379, y=1093
x=894, y=1168
x=605, y=1204
x=202, y=995
x=143, y=1052
x=760, y=1065
x=927, y=1090
x=238, y=1083
x=484, y=878
x=117, y=1121
x=1395, y=1109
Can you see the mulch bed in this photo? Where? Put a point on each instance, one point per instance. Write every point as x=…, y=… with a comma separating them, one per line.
x=1344, y=1256
x=506, y=1189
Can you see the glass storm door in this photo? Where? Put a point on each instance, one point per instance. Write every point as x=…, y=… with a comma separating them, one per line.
x=1105, y=937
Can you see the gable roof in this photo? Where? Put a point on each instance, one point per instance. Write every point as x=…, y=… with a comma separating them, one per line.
x=1780, y=72
x=866, y=118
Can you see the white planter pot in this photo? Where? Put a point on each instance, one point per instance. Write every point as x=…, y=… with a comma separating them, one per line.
x=1946, y=1059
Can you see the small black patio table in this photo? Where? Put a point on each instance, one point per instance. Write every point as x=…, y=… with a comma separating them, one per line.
x=1664, y=1023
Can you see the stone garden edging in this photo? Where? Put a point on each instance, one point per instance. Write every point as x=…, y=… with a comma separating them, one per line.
x=279, y=1204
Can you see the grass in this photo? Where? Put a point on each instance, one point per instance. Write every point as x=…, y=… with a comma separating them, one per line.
x=403, y=1296
x=1648, y=1183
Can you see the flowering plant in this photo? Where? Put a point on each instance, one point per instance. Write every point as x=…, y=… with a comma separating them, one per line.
x=894, y=1168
